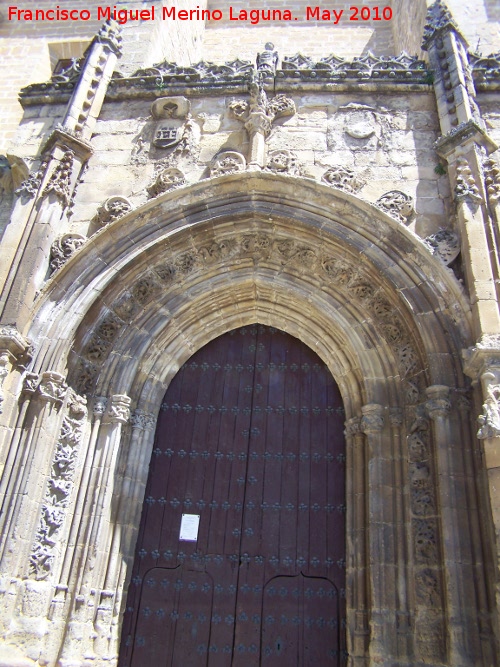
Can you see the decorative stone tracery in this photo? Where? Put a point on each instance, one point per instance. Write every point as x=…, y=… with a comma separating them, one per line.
x=168, y=179
x=227, y=162
x=171, y=273
x=342, y=178
x=59, y=487
x=63, y=248
x=397, y=204
x=112, y=209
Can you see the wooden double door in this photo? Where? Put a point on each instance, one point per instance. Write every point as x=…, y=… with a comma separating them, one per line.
x=249, y=457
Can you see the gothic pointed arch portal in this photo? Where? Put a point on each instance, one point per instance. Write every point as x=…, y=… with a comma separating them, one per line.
x=119, y=319
x=250, y=443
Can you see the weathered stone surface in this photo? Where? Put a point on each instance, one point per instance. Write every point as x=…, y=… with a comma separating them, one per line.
x=303, y=192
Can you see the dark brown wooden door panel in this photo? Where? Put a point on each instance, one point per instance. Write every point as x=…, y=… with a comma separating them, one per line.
x=250, y=439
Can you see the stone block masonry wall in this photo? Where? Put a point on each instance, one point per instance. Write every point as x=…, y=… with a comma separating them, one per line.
x=25, y=56
x=226, y=39
x=27, y=47
x=399, y=154
x=408, y=25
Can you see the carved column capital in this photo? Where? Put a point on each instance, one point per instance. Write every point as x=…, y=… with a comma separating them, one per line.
x=30, y=384
x=142, y=420
x=353, y=426
x=52, y=387
x=12, y=342
x=373, y=419
x=118, y=409
x=438, y=403
x=99, y=407
x=396, y=417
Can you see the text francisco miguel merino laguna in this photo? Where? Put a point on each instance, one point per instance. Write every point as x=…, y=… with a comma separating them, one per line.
x=252, y=16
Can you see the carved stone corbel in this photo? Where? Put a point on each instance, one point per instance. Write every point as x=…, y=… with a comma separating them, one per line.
x=227, y=162
x=397, y=204
x=168, y=179
x=63, y=248
x=112, y=209
x=342, y=178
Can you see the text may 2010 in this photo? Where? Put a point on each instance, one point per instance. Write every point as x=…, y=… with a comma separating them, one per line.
x=252, y=16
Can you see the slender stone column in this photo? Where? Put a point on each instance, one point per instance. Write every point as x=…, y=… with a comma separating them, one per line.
x=28, y=482
x=463, y=638
x=381, y=538
x=357, y=570
x=117, y=414
x=403, y=618
x=258, y=115
x=482, y=364
x=126, y=493
x=74, y=552
x=125, y=524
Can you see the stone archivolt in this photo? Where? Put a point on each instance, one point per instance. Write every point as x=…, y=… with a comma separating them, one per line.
x=226, y=258
x=261, y=247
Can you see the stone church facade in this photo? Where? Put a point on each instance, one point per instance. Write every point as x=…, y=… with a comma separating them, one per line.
x=152, y=204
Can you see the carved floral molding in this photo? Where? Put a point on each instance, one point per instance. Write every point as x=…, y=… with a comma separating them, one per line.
x=260, y=247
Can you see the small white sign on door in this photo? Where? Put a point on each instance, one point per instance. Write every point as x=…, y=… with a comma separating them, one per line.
x=189, y=528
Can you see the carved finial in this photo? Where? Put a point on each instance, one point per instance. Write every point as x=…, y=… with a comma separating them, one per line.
x=438, y=20
x=267, y=61
x=110, y=34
